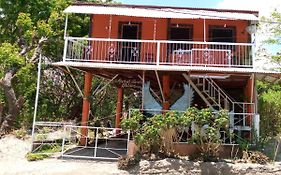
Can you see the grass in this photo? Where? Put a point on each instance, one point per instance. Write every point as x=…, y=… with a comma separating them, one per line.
x=43, y=152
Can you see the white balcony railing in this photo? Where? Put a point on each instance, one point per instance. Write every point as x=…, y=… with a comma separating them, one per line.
x=158, y=52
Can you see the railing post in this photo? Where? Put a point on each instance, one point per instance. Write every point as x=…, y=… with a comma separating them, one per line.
x=63, y=139
x=253, y=54
x=96, y=142
x=128, y=141
x=65, y=49
x=158, y=54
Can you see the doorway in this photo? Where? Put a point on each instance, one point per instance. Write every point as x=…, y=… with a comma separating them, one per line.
x=222, y=34
x=180, y=32
x=130, y=51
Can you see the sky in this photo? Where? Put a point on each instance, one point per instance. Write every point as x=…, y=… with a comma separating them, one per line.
x=178, y=3
x=261, y=5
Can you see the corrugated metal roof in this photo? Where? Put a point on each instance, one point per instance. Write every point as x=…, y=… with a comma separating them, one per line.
x=161, y=12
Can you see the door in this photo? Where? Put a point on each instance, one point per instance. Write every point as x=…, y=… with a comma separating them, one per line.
x=130, y=51
x=180, y=52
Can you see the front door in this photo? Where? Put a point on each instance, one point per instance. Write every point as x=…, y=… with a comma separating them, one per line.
x=180, y=52
x=130, y=51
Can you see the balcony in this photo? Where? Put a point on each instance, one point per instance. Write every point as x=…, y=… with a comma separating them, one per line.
x=158, y=52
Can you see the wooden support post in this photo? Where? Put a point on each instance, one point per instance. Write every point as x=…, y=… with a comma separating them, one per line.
x=166, y=91
x=119, y=107
x=249, y=94
x=86, y=106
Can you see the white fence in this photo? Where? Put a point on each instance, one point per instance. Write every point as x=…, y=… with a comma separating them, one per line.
x=47, y=135
x=69, y=141
x=99, y=142
x=158, y=52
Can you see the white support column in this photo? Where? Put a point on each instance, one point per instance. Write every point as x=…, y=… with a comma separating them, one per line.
x=142, y=95
x=36, y=100
x=65, y=49
x=257, y=125
x=158, y=53
x=65, y=26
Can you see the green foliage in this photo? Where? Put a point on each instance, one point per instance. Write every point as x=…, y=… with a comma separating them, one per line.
x=9, y=57
x=275, y=33
x=155, y=134
x=34, y=157
x=45, y=151
x=133, y=123
x=20, y=133
x=22, y=25
x=269, y=109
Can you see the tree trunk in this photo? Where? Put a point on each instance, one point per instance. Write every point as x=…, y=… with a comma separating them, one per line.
x=1, y=111
x=14, y=104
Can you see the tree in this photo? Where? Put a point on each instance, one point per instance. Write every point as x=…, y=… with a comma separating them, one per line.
x=269, y=109
x=274, y=25
x=269, y=94
x=28, y=29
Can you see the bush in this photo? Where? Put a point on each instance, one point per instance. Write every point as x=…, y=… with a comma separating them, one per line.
x=35, y=156
x=157, y=134
x=43, y=152
x=255, y=157
x=127, y=162
x=20, y=133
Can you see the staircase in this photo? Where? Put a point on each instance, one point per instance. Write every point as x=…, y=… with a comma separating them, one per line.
x=217, y=99
x=215, y=95
x=211, y=93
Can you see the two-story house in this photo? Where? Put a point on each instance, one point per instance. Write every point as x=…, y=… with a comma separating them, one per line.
x=182, y=57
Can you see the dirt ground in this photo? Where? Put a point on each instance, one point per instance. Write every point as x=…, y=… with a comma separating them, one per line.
x=13, y=161
x=13, y=151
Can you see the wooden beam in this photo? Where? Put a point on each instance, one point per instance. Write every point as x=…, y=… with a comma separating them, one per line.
x=159, y=84
x=166, y=91
x=86, y=107
x=197, y=90
x=119, y=106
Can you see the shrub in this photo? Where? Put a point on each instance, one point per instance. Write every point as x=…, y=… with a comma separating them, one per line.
x=34, y=156
x=157, y=134
x=20, y=133
x=127, y=162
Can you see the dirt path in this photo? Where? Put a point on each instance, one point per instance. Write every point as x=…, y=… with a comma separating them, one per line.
x=12, y=161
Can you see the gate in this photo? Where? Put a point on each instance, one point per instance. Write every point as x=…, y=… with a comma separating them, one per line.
x=101, y=142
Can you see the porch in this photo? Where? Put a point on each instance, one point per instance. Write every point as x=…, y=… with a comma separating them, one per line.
x=158, y=52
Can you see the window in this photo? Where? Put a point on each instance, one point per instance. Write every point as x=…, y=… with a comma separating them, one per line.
x=222, y=34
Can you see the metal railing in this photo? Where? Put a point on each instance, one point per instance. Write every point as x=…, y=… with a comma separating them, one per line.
x=47, y=135
x=99, y=143
x=158, y=52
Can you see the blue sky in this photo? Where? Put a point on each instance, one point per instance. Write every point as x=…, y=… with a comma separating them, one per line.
x=178, y=3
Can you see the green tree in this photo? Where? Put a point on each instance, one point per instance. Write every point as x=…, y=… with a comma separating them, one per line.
x=28, y=29
x=275, y=33
x=269, y=94
x=269, y=109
